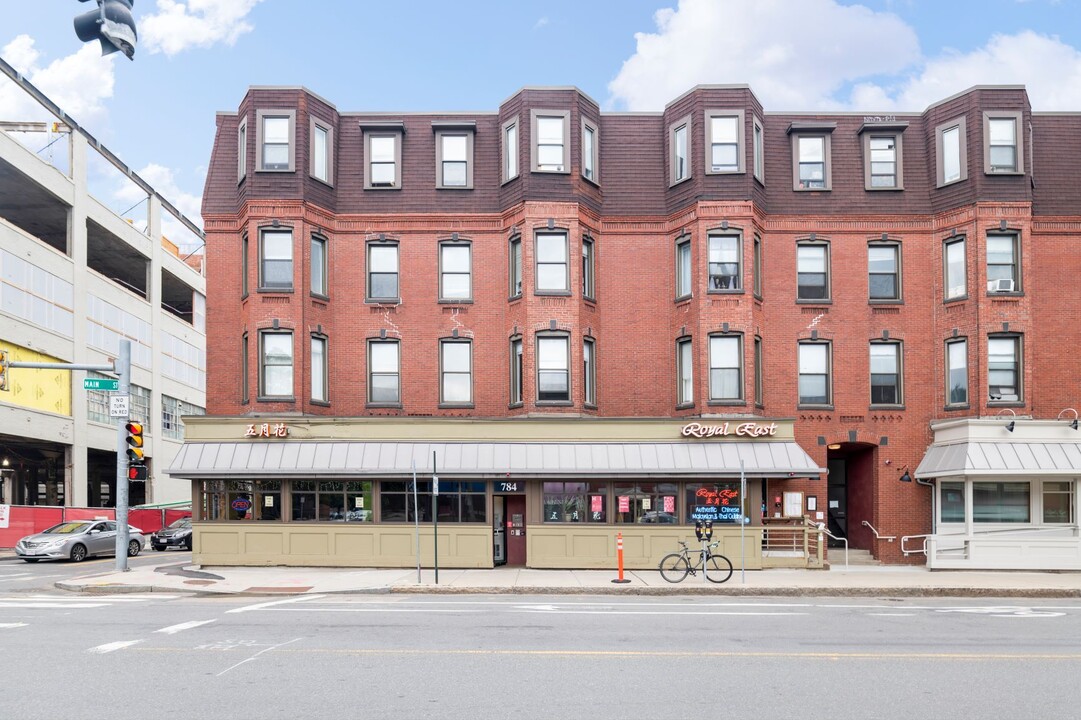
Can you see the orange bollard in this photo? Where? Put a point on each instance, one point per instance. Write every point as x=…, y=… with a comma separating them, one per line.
x=619, y=558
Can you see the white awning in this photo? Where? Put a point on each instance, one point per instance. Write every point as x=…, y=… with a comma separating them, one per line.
x=343, y=459
x=991, y=458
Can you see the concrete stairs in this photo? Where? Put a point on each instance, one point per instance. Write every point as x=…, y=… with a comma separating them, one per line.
x=855, y=557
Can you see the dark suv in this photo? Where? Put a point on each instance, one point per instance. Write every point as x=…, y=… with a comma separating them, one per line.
x=177, y=535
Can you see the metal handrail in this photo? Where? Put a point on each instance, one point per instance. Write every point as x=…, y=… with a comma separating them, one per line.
x=821, y=527
x=888, y=538
x=922, y=551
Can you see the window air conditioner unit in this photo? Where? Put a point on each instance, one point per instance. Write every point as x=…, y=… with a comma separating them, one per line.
x=1000, y=285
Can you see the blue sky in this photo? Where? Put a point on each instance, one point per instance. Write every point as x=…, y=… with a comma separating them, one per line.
x=196, y=57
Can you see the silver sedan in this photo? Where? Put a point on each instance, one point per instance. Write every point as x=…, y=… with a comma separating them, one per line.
x=77, y=540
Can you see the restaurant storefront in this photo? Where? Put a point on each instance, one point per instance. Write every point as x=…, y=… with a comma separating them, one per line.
x=540, y=493
x=1006, y=494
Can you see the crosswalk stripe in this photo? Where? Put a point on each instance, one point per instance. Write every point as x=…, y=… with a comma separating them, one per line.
x=173, y=629
x=12, y=625
x=112, y=647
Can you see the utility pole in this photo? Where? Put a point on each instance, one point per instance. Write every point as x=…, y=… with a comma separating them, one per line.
x=121, y=366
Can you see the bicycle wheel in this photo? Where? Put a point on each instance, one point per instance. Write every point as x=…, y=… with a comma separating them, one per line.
x=720, y=568
x=674, y=567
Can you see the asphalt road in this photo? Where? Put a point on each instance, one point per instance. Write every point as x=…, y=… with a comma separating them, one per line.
x=439, y=656
x=19, y=576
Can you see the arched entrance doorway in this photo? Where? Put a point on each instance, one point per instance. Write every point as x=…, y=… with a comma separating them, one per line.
x=851, y=492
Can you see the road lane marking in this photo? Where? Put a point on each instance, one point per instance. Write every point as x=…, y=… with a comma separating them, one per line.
x=253, y=657
x=12, y=625
x=173, y=629
x=260, y=606
x=47, y=604
x=112, y=647
x=126, y=597
x=897, y=614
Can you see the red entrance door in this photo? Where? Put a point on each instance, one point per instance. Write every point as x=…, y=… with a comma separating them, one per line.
x=515, y=518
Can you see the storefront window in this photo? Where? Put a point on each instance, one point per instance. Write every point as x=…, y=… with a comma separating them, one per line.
x=646, y=503
x=461, y=502
x=952, y=502
x=1000, y=502
x=1058, y=502
x=268, y=499
x=457, y=502
x=303, y=500
x=575, y=502
x=718, y=502
x=238, y=499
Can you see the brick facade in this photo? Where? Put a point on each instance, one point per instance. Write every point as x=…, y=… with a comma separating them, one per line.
x=635, y=219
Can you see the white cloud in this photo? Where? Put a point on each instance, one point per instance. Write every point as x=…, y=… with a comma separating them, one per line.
x=767, y=44
x=79, y=84
x=541, y=22
x=872, y=57
x=177, y=26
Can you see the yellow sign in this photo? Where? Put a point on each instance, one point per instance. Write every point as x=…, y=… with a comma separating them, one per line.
x=46, y=390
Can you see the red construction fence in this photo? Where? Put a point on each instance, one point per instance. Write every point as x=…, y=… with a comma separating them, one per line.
x=26, y=520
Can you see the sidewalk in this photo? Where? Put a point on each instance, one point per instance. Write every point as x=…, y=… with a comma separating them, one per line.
x=856, y=581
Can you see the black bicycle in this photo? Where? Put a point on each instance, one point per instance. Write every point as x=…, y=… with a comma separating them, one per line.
x=676, y=566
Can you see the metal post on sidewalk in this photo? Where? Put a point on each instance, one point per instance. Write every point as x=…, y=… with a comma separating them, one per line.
x=435, y=517
x=742, y=525
x=416, y=516
x=123, y=371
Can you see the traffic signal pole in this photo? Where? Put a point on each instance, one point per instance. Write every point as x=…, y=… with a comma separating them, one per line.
x=122, y=368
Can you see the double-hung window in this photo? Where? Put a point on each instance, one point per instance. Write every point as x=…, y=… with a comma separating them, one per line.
x=589, y=371
x=1004, y=368
x=276, y=259
x=954, y=267
x=516, y=266
x=456, y=368
x=759, y=152
x=384, y=386
x=883, y=168
x=590, y=151
x=758, y=374
x=814, y=373
x=244, y=250
x=510, y=149
x=725, y=266
x=454, y=157
x=812, y=271
x=1003, y=269
x=679, y=153
x=684, y=372
x=951, y=152
x=884, y=271
x=553, y=363
x=383, y=271
x=588, y=269
x=683, y=267
x=550, y=151
x=552, y=269
x=319, y=266
x=811, y=151
x=957, y=372
x=1002, y=149
x=276, y=364
x=725, y=367
x=319, y=369
x=276, y=130
x=886, y=373
x=516, y=371
x=455, y=276
x=242, y=149
x=383, y=155
x=724, y=144
x=322, y=151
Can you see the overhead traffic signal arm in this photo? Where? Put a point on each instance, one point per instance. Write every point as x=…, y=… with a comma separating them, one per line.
x=112, y=24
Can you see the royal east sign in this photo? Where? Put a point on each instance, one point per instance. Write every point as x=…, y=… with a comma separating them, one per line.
x=747, y=429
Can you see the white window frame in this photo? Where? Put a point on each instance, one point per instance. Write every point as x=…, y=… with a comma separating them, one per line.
x=511, y=146
x=949, y=292
x=684, y=267
x=534, y=146
x=808, y=363
x=719, y=344
x=998, y=283
x=675, y=176
x=539, y=288
x=990, y=117
x=514, y=247
x=962, y=343
x=684, y=372
x=290, y=115
x=759, y=150
x=263, y=365
x=242, y=149
x=516, y=371
x=591, y=156
x=396, y=372
x=739, y=119
x=589, y=268
x=381, y=244
x=444, y=246
x=546, y=366
x=320, y=376
x=960, y=125
x=446, y=372
x=1016, y=346
x=716, y=280
x=896, y=356
x=315, y=127
x=441, y=135
x=318, y=282
x=589, y=372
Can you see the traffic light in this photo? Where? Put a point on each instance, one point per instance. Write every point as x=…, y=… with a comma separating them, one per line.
x=3, y=370
x=111, y=24
x=137, y=473
x=135, y=442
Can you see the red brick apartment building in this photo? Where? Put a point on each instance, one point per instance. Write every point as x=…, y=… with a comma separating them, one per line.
x=593, y=319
